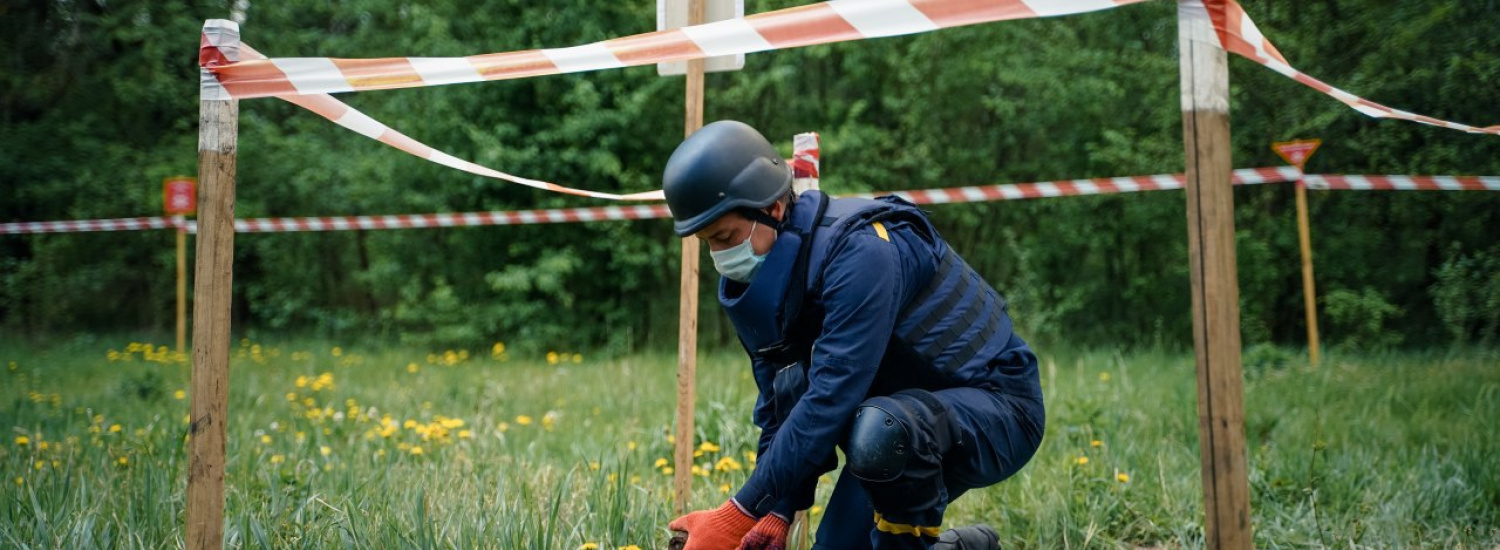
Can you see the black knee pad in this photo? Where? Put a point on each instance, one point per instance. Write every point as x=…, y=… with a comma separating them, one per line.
x=887, y=431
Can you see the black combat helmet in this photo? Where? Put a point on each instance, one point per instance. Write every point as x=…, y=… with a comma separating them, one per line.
x=721, y=167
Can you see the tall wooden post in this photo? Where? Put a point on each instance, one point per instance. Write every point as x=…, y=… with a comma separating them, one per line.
x=687, y=315
x=1215, y=287
x=181, y=284
x=218, y=128
x=1309, y=294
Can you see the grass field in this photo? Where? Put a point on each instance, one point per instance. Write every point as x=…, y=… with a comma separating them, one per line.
x=333, y=447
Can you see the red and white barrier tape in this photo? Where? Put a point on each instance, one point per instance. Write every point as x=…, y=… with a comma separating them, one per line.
x=827, y=22
x=1401, y=183
x=978, y=193
x=1238, y=34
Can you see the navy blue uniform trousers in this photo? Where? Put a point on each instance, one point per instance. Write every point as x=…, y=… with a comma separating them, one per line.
x=996, y=435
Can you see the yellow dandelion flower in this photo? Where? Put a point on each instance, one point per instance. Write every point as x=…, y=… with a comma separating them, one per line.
x=115, y=428
x=593, y=465
x=631, y=547
x=412, y=367
x=667, y=470
x=124, y=461
x=42, y=445
x=1104, y=376
x=724, y=488
x=577, y=358
x=301, y=381
x=728, y=464
x=464, y=434
x=630, y=445
x=1082, y=460
x=497, y=349
x=661, y=462
x=277, y=459
x=40, y=464
x=1122, y=477
x=337, y=351
x=325, y=450
x=265, y=439
x=380, y=452
x=612, y=477
x=504, y=426
x=1096, y=444
x=523, y=420
x=20, y=480
x=23, y=440
x=551, y=358
x=416, y=450
x=179, y=395
x=635, y=480
x=586, y=545
x=708, y=447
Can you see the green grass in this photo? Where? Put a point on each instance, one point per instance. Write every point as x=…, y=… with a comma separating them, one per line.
x=1391, y=451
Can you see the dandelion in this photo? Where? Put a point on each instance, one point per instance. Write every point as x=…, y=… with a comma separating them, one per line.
x=412, y=368
x=179, y=395
x=728, y=464
x=1104, y=376
x=20, y=480
x=22, y=440
x=464, y=434
x=523, y=420
x=115, y=428
x=631, y=547
x=1122, y=477
x=1082, y=460
x=265, y=440
x=277, y=459
x=497, y=349
x=586, y=545
x=577, y=358
x=667, y=470
x=42, y=445
x=504, y=426
x=124, y=461
x=552, y=358
x=337, y=351
x=325, y=450
x=593, y=465
x=416, y=450
x=660, y=462
x=1096, y=444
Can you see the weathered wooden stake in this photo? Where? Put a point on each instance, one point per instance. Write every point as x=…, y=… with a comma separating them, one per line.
x=1215, y=287
x=687, y=314
x=1309, y=294
x=218, y=128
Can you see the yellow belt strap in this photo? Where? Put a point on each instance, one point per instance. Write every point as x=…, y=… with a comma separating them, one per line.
x=904, y=529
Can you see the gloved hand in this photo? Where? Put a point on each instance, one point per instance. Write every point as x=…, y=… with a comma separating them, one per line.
x=768, y=534
x=717, y=529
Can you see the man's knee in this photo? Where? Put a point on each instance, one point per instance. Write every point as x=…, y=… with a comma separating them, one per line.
x=892, y=433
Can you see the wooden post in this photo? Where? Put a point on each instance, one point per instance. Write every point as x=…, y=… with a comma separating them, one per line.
x=687, y=313
x=1309, y=296
x=181, y=284
x=1215, y=287
x=218, y=128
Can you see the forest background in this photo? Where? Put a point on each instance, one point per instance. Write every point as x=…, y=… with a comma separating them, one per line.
x=98, y=103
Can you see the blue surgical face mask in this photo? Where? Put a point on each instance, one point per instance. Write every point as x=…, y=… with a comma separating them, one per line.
x=738, y=262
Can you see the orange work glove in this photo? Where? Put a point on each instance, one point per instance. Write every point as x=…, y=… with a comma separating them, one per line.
x=718, y=529
x=768, y=534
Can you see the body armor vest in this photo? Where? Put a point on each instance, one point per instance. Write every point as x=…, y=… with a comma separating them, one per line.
x=954, y=321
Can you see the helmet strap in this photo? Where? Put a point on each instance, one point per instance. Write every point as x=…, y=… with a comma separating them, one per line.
x=756, y=214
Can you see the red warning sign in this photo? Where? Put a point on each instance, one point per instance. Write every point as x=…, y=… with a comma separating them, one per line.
x=1296, y=153
x=179, y=195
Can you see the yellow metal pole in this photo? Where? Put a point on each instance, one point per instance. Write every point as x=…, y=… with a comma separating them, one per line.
x=1309, y=296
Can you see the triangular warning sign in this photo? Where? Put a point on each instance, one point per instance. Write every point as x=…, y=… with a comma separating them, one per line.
x=1296, y=153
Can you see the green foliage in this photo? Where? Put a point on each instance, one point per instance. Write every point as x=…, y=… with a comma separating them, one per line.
x=1467, y=295
x=97, y=106
x=1358, y=319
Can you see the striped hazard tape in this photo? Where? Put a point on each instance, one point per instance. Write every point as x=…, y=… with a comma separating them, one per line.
x=306, y=81
x=952, y=195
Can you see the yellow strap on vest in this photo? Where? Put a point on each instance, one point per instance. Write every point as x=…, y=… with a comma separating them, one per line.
x=880, y=230
x=903, y=529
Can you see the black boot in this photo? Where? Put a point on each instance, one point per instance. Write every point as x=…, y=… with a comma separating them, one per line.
x=969, y=537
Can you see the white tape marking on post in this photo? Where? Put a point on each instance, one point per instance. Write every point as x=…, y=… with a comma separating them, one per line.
x=445, y=70
x=874, y=18
x=587, y=57
x=727, y=37
x=313, y=75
